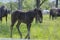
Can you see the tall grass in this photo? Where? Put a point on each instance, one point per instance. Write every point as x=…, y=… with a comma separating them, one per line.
x=48, y=30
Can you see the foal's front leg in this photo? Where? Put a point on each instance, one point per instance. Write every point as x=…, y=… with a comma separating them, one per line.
x=18, y=24
x=11, y=29
x=28, y=28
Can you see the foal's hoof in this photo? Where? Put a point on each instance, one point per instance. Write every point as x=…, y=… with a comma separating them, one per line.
x=28, y=37
x=40, y=22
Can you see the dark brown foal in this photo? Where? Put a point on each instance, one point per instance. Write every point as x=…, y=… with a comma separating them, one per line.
x=24, y=17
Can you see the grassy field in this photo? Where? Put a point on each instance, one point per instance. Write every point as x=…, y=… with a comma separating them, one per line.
x=48, y=30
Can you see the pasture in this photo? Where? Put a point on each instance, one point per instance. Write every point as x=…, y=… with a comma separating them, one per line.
x=48, y=30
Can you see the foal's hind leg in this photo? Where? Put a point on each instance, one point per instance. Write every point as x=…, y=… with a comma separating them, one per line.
x=12, y=24
x=28, y=28
x=18, y=24
x=1, y=19
x=11, y=28
x=50, y=16
x=53, y=17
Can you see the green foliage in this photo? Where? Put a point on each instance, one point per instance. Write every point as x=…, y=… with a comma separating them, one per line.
x=27, y=5
x=14, y=5
x=45, y=5
x=1, y=3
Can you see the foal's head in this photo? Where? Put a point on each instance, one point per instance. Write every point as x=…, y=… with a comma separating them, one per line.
x=39, y=15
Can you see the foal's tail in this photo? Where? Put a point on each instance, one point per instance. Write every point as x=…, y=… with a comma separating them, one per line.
x=13, y=18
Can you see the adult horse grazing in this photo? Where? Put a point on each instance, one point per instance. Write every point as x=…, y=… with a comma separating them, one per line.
x=4, y=13
x=54, y=12
x=25, y=17
x=1, y=11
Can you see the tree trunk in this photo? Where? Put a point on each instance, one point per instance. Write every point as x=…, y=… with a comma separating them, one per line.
x=11, y=6
x=37, y=6
x=20, y=4
x=38, y=3
x=56, y=3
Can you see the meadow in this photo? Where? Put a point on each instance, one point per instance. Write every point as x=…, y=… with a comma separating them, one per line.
x=48, y=30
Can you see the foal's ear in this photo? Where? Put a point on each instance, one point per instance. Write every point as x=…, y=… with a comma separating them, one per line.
x=35, y=9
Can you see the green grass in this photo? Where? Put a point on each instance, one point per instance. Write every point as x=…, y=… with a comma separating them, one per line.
x=48, y=30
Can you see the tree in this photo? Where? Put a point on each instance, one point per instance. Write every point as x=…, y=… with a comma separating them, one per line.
x=11, y=5
x=38, y=4
x=56, y=3
x=20, y=4
x=28, y=5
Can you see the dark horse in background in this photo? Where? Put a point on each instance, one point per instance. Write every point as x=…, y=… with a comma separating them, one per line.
x=54, y=12
x=25, y=17
x=3, y=13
